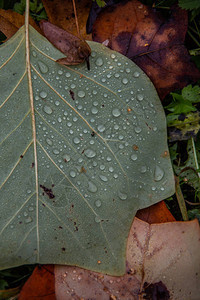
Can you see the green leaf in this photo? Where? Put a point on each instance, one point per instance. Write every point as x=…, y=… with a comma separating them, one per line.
x=191, y=93
x=19, y=7
x=189, y=4
x=81, y=152
x=180, y=105
x=3, y=284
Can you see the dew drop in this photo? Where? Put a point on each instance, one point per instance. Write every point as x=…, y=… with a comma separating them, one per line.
x=122, y=196
x=115, y=176
x=28, y=220
x=111, y=169
x=92, y=187
x=124, y=80
x=66, y=157
x=94, y=110
x=89, y=153
x=43, y=95
x=134, y=157
x=136, y=74
x=97, y=219
x=116, y=127
x=117, y=75
x=81, y=94
x=25, y=214
x=143, y=169
x=102, y=167
x=49, y=142
x=99, y=62
x=158, y=173
x=48, y=110
x=34, y=54
x=76, y=140
x=43, y=67
x=140, y=97
x=103, y=178
x=55, y=151
x=116, y=112
x=101, y=128
x=128, y=70
x=98, y=203
x=67, y=74
x=153, y=188
x=155, y=128
x=112, y=56
x=31, y=208
x=138, y=129
x=57, y=103
x=72, y=174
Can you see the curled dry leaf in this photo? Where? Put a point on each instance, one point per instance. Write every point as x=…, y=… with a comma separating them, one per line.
x=155, y=44
x=75, y=48
x=162, y=259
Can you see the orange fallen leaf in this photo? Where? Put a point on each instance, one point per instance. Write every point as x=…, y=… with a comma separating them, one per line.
x=11, y=21
x=61, y=14
x=157, y=213
x=154, y=43
x=40, y=284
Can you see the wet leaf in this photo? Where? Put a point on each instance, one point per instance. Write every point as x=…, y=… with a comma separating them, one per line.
x=154, y=43
x=59, y=168
x=157, y=213
x=162, y=260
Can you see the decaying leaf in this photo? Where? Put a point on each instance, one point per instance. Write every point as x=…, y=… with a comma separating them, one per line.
x=40, y=285
x=184, y=126
x=61, y=14
x=11, y=21
x=75, y=48
x=152, y=42
x=163, y=262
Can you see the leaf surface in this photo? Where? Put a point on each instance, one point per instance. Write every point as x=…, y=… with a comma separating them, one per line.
x=163, y=262
x=81, y=152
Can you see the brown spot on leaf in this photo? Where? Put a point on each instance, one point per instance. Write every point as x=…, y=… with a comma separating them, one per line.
x=47, y=191
x=156, y=291
x=71, y=94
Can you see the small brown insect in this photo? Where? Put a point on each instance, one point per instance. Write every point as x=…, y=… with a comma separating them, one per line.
x=75, y=48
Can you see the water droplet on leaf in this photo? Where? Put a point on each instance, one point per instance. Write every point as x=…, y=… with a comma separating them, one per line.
x=43, y=67
x=158, y=173
x=92, y=187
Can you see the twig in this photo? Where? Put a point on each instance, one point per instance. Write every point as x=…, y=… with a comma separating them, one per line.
x=76, y=19
x=181, y=200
